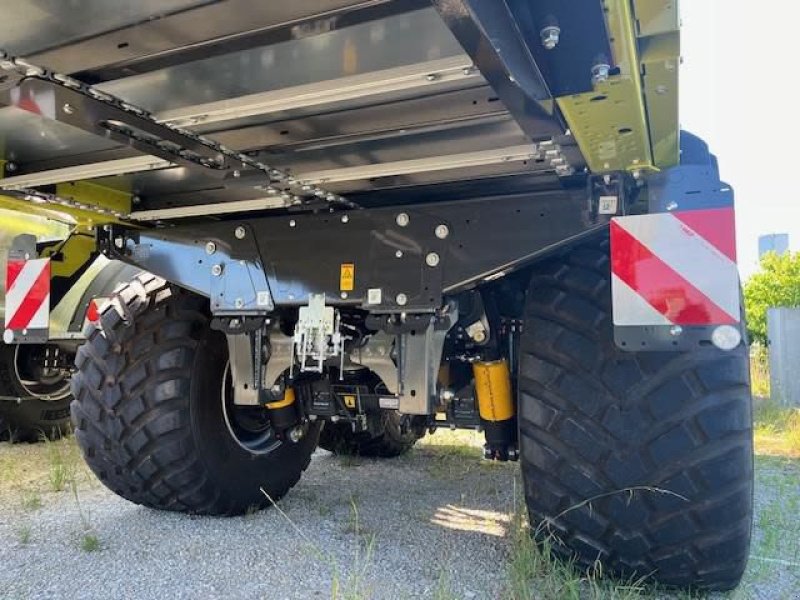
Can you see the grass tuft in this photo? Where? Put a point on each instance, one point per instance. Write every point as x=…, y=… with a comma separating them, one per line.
x=31, y=500
x=63, y=462
x=536, y=573
x=90, y=542
x=24, y=535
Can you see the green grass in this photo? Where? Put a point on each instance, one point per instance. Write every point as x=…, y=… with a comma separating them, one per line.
x=63, y=459
x=31, y=500
x=90, y=542
x=776, y=429
x=443, y=590
x=24, y=535
x=354, y=585
x=759, y=371
x=30, y=471
x=535, y=573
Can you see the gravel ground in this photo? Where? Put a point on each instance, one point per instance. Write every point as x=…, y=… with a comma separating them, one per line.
x=427, y=524
x=432, y=524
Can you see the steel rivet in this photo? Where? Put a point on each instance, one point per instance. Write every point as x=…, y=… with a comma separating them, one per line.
x=211, y=247
x=237, y=173
x=343, y=295
x=675, y=330
x=432, y=259
x=239, y=232
x=672, y=205
x=239, y=303
x=432, y=77
x=68, y=108
x=403, y=219
x=345, y=218
x=292, y=223
x=401, y=299
x=216, y=270
x=442, y=231
x=398, y=254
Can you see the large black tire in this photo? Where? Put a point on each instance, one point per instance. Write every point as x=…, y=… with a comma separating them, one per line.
x=29, y=418
x=643, y=460
x=387, y=436
x=148, y=410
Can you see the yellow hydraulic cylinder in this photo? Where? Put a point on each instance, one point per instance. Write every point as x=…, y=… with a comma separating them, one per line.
x=287, y=400
x=283, y=412
x=493, y=389
x=496, y=409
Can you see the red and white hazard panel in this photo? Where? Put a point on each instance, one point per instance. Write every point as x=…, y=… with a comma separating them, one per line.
x=676, y=268
x=27, y=296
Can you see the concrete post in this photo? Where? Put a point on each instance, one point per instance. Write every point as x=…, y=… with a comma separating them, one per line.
x=783, y=333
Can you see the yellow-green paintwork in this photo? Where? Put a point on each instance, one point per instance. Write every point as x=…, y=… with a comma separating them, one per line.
x=75, y=252
x=630, y=122
x=82, y=191
x=50, y=222
x=660, y=60
x=96, y=195
x=654, y=17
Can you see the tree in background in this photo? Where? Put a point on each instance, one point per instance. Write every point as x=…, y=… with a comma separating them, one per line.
x=776, y=284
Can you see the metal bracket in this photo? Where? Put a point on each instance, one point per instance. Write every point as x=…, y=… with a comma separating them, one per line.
x=662, y=337
x=241, y=355
x=233, y=279
x=376, y=355
x=419, y=357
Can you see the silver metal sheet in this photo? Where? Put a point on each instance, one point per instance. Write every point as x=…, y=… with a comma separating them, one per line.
x=29, y=26
x=405, y=39
x=313, y=137
x=351, y=52
x=203, y=27
x=25, y=137
x=467, y=138
x=470, y=137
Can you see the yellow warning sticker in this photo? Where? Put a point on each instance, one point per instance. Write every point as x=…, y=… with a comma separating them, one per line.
x=350, y=401
x=347, y=277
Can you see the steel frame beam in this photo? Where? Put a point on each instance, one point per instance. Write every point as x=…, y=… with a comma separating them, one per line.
x=404, y=259
x=489, y=35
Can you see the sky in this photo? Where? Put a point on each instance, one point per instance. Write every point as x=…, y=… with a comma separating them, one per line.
x=737, y=92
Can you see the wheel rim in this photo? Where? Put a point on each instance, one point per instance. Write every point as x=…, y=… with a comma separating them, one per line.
x=249, y=426
x=43, y=384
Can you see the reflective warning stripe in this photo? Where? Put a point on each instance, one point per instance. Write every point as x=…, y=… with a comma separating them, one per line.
x=637, y=309
x=681, y=265
x=27, y=294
